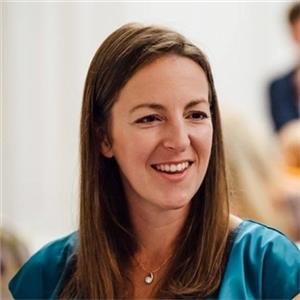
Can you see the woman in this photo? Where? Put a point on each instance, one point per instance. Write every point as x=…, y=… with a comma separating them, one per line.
x=154, y=219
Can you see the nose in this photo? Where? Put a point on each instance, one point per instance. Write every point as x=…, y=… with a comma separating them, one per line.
x=176, y=136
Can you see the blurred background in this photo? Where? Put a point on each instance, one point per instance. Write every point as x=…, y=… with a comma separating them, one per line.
x=46, y=51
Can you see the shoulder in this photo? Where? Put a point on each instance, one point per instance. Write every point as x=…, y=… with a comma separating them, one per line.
x=267, y=262
x=267, y=242
x=42, y=274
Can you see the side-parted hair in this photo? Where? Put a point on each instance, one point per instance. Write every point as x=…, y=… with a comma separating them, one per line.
x=107, y=242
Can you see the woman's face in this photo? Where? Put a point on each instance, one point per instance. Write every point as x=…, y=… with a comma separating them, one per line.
x=161, y=132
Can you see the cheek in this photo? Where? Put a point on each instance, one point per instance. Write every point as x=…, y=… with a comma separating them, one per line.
x=203, y=140
x=132, y=148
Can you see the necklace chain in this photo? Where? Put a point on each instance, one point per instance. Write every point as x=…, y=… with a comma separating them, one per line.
x=155, y=270
x=148, y=279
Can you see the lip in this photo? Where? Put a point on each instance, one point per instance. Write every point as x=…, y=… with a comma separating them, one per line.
x=174, y=177
x=173, y=162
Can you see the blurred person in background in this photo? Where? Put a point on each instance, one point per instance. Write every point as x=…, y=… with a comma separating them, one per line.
x=12, y=256
x=259, y=187
x=289, y=140
x=284, y=92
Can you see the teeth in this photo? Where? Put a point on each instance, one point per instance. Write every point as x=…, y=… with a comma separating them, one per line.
x=172, y=168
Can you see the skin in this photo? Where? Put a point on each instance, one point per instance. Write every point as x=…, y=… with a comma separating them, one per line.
x=177, y=129
x=295, y=28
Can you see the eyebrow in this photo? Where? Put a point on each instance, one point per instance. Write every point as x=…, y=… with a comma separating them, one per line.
x=156, y=106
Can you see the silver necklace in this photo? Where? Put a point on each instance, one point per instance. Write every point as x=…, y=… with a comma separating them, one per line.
x=149, y=278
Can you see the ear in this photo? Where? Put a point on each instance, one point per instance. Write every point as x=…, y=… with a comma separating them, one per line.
x=106, y=149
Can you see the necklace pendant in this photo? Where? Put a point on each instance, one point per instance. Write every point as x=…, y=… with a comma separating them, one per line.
x=149, y=278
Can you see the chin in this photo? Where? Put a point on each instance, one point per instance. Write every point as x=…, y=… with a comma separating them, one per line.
x=177, y=203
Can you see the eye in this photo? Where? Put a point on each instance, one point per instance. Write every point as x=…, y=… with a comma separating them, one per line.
x=197, y=115
x=148, y=119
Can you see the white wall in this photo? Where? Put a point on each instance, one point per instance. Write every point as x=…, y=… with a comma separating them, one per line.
x=47, y=48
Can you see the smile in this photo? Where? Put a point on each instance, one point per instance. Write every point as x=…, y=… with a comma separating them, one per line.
x=172, y=168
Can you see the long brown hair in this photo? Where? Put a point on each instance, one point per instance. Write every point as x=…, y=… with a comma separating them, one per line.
x=106, y=239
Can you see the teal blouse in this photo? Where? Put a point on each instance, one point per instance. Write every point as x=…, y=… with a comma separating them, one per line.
x=262, y=264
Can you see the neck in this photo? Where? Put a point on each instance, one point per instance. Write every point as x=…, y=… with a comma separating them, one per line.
x=156, y=232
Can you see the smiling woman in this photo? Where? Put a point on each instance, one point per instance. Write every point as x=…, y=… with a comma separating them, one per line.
x=154, y=219
x=156, y=110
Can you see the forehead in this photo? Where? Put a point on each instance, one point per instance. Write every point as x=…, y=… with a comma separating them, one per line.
x=171, y=77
